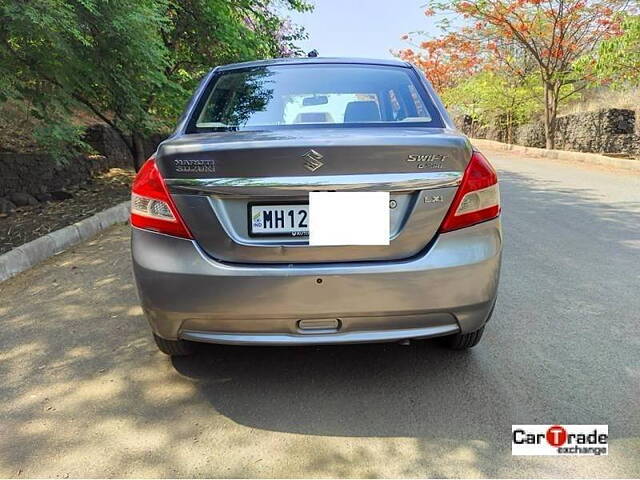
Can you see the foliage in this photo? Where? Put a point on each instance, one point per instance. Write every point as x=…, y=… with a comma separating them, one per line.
x=225, y=32
x=493, y=97
x=60, y=54
x=542, y=36
x=617, y=60
x=447, y=60
x=132, y=64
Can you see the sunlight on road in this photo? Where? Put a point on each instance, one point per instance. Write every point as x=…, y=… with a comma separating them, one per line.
x=86, y=393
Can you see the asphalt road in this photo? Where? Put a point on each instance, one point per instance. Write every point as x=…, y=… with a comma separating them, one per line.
x=84, y=392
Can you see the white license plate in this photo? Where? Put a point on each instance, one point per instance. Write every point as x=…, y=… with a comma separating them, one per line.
x=291, y=220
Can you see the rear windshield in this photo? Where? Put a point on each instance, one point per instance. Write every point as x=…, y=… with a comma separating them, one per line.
x=313, y=95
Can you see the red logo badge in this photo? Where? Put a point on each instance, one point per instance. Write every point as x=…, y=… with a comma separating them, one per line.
x=556, y=436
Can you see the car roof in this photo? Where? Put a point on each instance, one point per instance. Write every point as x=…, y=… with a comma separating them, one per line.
x=314, y=60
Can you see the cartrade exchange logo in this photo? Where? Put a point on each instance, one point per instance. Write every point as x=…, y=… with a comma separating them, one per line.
x=559, y=439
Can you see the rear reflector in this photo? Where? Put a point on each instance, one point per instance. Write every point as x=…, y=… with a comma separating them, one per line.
x=477, y=198
x=151, y=204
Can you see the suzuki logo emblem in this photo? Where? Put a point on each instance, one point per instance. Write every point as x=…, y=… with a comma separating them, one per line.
x=312, y=160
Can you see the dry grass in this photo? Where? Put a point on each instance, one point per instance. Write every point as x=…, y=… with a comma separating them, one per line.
x=17, y=125
x=599, y=98
x=16, y=128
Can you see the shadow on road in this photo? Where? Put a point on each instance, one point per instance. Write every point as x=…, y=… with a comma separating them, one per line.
x=556, y=298
x=358, y=390
x=84, y=392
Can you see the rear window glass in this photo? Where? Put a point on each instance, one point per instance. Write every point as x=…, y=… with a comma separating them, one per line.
x=319, y=95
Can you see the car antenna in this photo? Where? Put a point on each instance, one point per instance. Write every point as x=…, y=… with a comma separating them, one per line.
x=313, y=53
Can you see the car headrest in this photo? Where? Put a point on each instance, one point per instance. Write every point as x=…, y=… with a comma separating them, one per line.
x=362, y=112
x=313, y=117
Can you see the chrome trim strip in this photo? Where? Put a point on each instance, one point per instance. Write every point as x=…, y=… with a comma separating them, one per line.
x=386, y=182
x=319, y=339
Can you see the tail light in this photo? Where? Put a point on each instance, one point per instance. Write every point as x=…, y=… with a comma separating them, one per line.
x=477, y=198
x=151, y=205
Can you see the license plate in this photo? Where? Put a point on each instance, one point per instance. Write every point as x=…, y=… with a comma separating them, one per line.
x=291, y=220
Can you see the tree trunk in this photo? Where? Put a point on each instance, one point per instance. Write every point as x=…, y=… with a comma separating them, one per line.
x=134, y=145
x=547, y=123
x=551, y=93
x=137, y=150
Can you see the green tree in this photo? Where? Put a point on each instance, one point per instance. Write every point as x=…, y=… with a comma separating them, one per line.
x=553, y=33
x=493, y=97
x=617, y=60
x=105, y=56
x=131, y=64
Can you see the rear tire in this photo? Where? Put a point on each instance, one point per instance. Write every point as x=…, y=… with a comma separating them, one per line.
x=175, y=348
x=463, y=341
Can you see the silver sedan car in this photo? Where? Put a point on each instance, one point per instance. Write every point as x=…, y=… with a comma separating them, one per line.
x=220, y=214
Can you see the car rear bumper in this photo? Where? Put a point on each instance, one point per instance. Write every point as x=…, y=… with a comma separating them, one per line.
x=186, y=294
